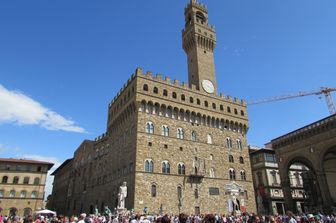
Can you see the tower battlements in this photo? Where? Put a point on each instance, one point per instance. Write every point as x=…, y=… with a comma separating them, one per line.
x=176, y=83
x=196, y=4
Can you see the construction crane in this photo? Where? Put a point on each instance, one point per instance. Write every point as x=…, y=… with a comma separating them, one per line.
x=323, y=90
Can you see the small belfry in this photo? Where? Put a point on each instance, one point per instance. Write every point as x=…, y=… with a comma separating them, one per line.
x=199, y=42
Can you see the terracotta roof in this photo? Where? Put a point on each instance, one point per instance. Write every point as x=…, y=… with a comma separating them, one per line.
x=12, y=160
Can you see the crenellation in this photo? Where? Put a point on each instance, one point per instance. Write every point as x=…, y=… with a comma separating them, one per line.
x=149, y=74
x=167, y=79
x=138, y=71
x=159, y=77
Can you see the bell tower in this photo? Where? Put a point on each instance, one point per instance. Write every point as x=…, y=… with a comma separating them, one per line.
x=199, y=42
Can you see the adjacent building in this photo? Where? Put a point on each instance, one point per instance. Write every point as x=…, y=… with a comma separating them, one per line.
x=311, y=150
x=22, y=185
x=60, y=187
x=180, y=147
x=268, y=188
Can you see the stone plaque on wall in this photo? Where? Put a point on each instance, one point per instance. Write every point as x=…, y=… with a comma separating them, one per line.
x=214, y=191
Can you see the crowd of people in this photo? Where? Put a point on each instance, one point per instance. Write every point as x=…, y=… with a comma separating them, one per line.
x=181, y=218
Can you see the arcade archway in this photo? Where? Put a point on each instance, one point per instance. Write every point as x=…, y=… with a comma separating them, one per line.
x=329, y=169
x=304, y=187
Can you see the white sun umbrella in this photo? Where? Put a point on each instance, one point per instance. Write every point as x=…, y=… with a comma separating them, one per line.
x=46, y=211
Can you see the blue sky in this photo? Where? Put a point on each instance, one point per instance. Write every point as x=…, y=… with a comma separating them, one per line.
x=61, y=63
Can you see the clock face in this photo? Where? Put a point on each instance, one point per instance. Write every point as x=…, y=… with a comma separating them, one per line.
x=208, y=86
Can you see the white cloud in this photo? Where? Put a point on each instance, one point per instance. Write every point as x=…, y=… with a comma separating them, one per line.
x=50, y=179
x=20, y=109
x=5, y=149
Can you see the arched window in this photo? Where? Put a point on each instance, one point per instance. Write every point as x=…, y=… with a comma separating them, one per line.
x=211, y=157
x=145, y=87
x=16, y=180
x=200, y=17
x=191, y=100
x=206, y=104
x=174, y=95
x=213, y=105
x=155, y=90
x=242, y=113
x=179, y=192
x=212, y=173
x=165, y=130
x=34, y=194
x=228, y=142
x=149, y=128
x=181, y=169
x=235, y=111
x=180, y=133
x=165, y=167
x=198, y=101
x=37, y=181
x=228, y=109
x=241, y=160
x=231, y=160
x=183, y=97
x=149, y=166
x=23, y=194
x=165, y=92
x=239, y=144
x=153, y=190
x=221, y=107
x=242, y=175
x=232, y=174
x=26, y=180
x=209, y=139
x=1, y=193
x=193, y=136
x=4, y=179
x=12, y=193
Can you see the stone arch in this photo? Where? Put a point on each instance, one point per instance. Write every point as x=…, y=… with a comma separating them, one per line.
x=163, y=110
x=187, y=116
x=327, y=164
x=157, y=108
x=181, y=114
x=199, y=118
x=142, y=107
x=175, y=113
x=204, y=119
x=169, y=112
x=193, y=117
x=150, y=107
x=312, y=197
x=208, y=121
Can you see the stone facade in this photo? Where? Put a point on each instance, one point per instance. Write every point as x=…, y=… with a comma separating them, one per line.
x=22, y=186
x=60, y=187
x=170, y=142
x=313, y=146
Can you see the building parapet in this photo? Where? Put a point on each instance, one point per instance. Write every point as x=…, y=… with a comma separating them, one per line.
x=159, y=77
x=305, y=132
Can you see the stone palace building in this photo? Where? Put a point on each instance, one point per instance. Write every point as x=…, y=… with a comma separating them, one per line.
x=181, y=147
x=22, y=186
